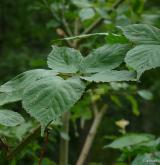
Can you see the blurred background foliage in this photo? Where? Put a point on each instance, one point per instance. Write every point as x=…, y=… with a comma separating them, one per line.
x=27, y=31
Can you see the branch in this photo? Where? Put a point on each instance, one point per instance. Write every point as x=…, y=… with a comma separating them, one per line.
x=44, y=147
x=99, y=21
x=53, y=14
x=4, y=146
x=91, y=135
x=64, y=143
x=24, y=143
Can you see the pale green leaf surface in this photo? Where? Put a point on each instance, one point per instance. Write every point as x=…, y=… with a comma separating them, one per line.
x=111, y=76
x=147, y=158
x=129, y=140
x=134, y=104
x=142, y=33
x=48, y=98
x=86, y=13
x=145, y=94
x=10, y=118
x=104, y=58
x=143, y=57
x=64, y=60
x=12, y=90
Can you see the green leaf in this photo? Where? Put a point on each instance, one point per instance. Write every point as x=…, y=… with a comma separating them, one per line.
x=82, y=3
x=111, y=76
x=86, y=13
x=12, y=90
x=10, y=118
x=143, y=57
x=104, y=58
x=129, y=140
x=145, y=94
x=148, y=158
x=113, y=39
x=49, y=97
x=146, y=56
x=142, y=34
x=64, y=60
x=134, y=104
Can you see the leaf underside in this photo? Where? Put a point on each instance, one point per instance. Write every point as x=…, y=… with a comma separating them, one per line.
x=104, y=58
x=10, y=118
x=146, y=54
x=64, y=60
x=12, y=90
x=49, y=97
x=111, y=76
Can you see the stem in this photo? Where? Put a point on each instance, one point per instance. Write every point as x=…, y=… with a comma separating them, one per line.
x=91, y=135
x=64, y=143
x=99, y=21
x=55, y=16
x=24, y=143
x=44, y=147
x=4, y=146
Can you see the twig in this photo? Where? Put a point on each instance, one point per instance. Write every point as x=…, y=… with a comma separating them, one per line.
x=64, y=21
x=91, y=136
x=64, y=143
x=99, y=21
x=76, y=26
x=44, y=147
x=95, y=24
x=4, y=146
x=53, y=14
x=24, y=143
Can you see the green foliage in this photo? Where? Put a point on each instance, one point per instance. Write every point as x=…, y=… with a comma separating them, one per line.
x=47, y=94
x=146, y=54
x=151, y=158
x=111, y=76
x=129, y=140
x=64, y=60
x=86, y=13
x=147, y=95
x=10, y=118
x=104, y=58
x=49, y=97
x=13, y=90
x=37, y=87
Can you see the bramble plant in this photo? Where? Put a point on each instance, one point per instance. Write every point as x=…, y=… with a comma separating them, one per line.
x=47, y=94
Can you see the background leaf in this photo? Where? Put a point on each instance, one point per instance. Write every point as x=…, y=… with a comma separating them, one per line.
x=142, y=33
x=129, y=140
x=86, y=13
x=10, y=118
